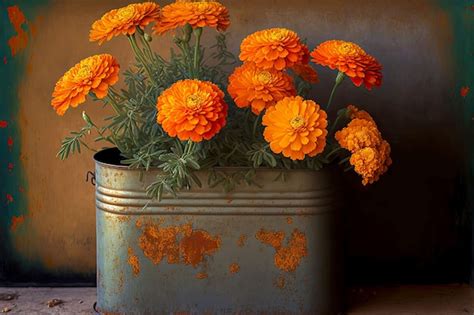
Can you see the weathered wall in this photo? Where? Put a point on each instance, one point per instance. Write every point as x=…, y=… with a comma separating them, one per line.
x=408, y=226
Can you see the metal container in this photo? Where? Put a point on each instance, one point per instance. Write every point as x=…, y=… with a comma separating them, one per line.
x=269, y=250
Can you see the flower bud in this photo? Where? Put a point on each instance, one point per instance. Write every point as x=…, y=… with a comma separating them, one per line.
x=148, y=37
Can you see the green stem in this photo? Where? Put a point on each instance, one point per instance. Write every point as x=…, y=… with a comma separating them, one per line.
x=197, y=46
x=114, y=105
x=334, y=125
x=339, y=79
x=140, y=57
x=255, y=125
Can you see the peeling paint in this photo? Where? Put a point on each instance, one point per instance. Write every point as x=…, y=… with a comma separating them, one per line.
x=9, y=198
x=287, y=258
x=177, y=244
x=10, y=143
x=241, y=241
x=234, y=268
x=17, y=19
x=202, y=275
x=133, y=262
x=16, y=222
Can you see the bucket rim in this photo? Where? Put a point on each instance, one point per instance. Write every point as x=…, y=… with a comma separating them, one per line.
x=98, y=161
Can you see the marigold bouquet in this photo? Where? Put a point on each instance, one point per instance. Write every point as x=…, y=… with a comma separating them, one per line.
x=186, y=113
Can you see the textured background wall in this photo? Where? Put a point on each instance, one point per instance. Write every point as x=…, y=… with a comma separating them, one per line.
x=411, y=226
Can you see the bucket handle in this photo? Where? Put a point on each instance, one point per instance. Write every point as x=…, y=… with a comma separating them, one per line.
x=92, y=177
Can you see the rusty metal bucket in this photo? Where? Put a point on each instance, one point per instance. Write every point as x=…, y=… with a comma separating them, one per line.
x=269, y=250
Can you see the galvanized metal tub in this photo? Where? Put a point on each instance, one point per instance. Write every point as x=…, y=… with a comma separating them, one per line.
x=269, y=250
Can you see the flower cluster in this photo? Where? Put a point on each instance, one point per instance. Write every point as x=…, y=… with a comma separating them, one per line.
x=370, y=152
x=350, y=59
x=94, y=74
x=296, y=127
x=124, y=21
x=197, y=13
x=174, y=114
x=192, y=109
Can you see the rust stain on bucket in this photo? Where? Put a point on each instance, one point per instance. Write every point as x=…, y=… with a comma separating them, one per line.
x=202, y=275
x=241, y=240
x=234, y=268
x=177, y=244
x=133, y=262
x=287, y=258
x=196, y=244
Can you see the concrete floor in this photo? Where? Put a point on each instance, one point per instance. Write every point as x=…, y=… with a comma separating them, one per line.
x=403, y=300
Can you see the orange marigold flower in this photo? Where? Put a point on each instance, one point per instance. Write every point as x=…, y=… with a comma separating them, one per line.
x=359, y=134
x=258, y=88
x=350, y=59
x=124, y=21
x=372, y=162
x=277, y=48
x=192, y=109
x=93, y=74
x=197, y=13
x=306, y=72
x=354, y=113
x=295, y=127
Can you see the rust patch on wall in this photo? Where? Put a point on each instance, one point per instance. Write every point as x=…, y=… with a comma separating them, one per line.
x=177, y=244
x=16, y=222
x=289, y=220
x=287, y=258
x=19, y=41
x=234, y=268
x=241, y=240
x=280, y=282
x=133, y=262
x=202, y=275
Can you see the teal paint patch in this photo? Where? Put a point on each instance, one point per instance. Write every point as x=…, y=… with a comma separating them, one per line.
x=14, y=32
x=462, y=22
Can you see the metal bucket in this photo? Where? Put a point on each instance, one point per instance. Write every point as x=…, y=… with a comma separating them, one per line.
x=269, y=250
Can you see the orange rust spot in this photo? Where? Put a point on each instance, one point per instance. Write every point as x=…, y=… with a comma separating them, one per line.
x=241, y=240
x=138, y=223
x=133, y=262
x=234, y=268
x=19, y=41
x=286, y=258
x=123, y=218
x=16, y=221
x=9, y=198
x=202, y=275
x=158, y=243
x=196, y=244
x=289, y=220
x=3, y=124
x=177, y=244
x=280, y=282
x=274, y=239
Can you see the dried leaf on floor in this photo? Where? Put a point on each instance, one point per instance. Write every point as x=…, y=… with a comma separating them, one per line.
x=7, y=309
x=54, y=302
